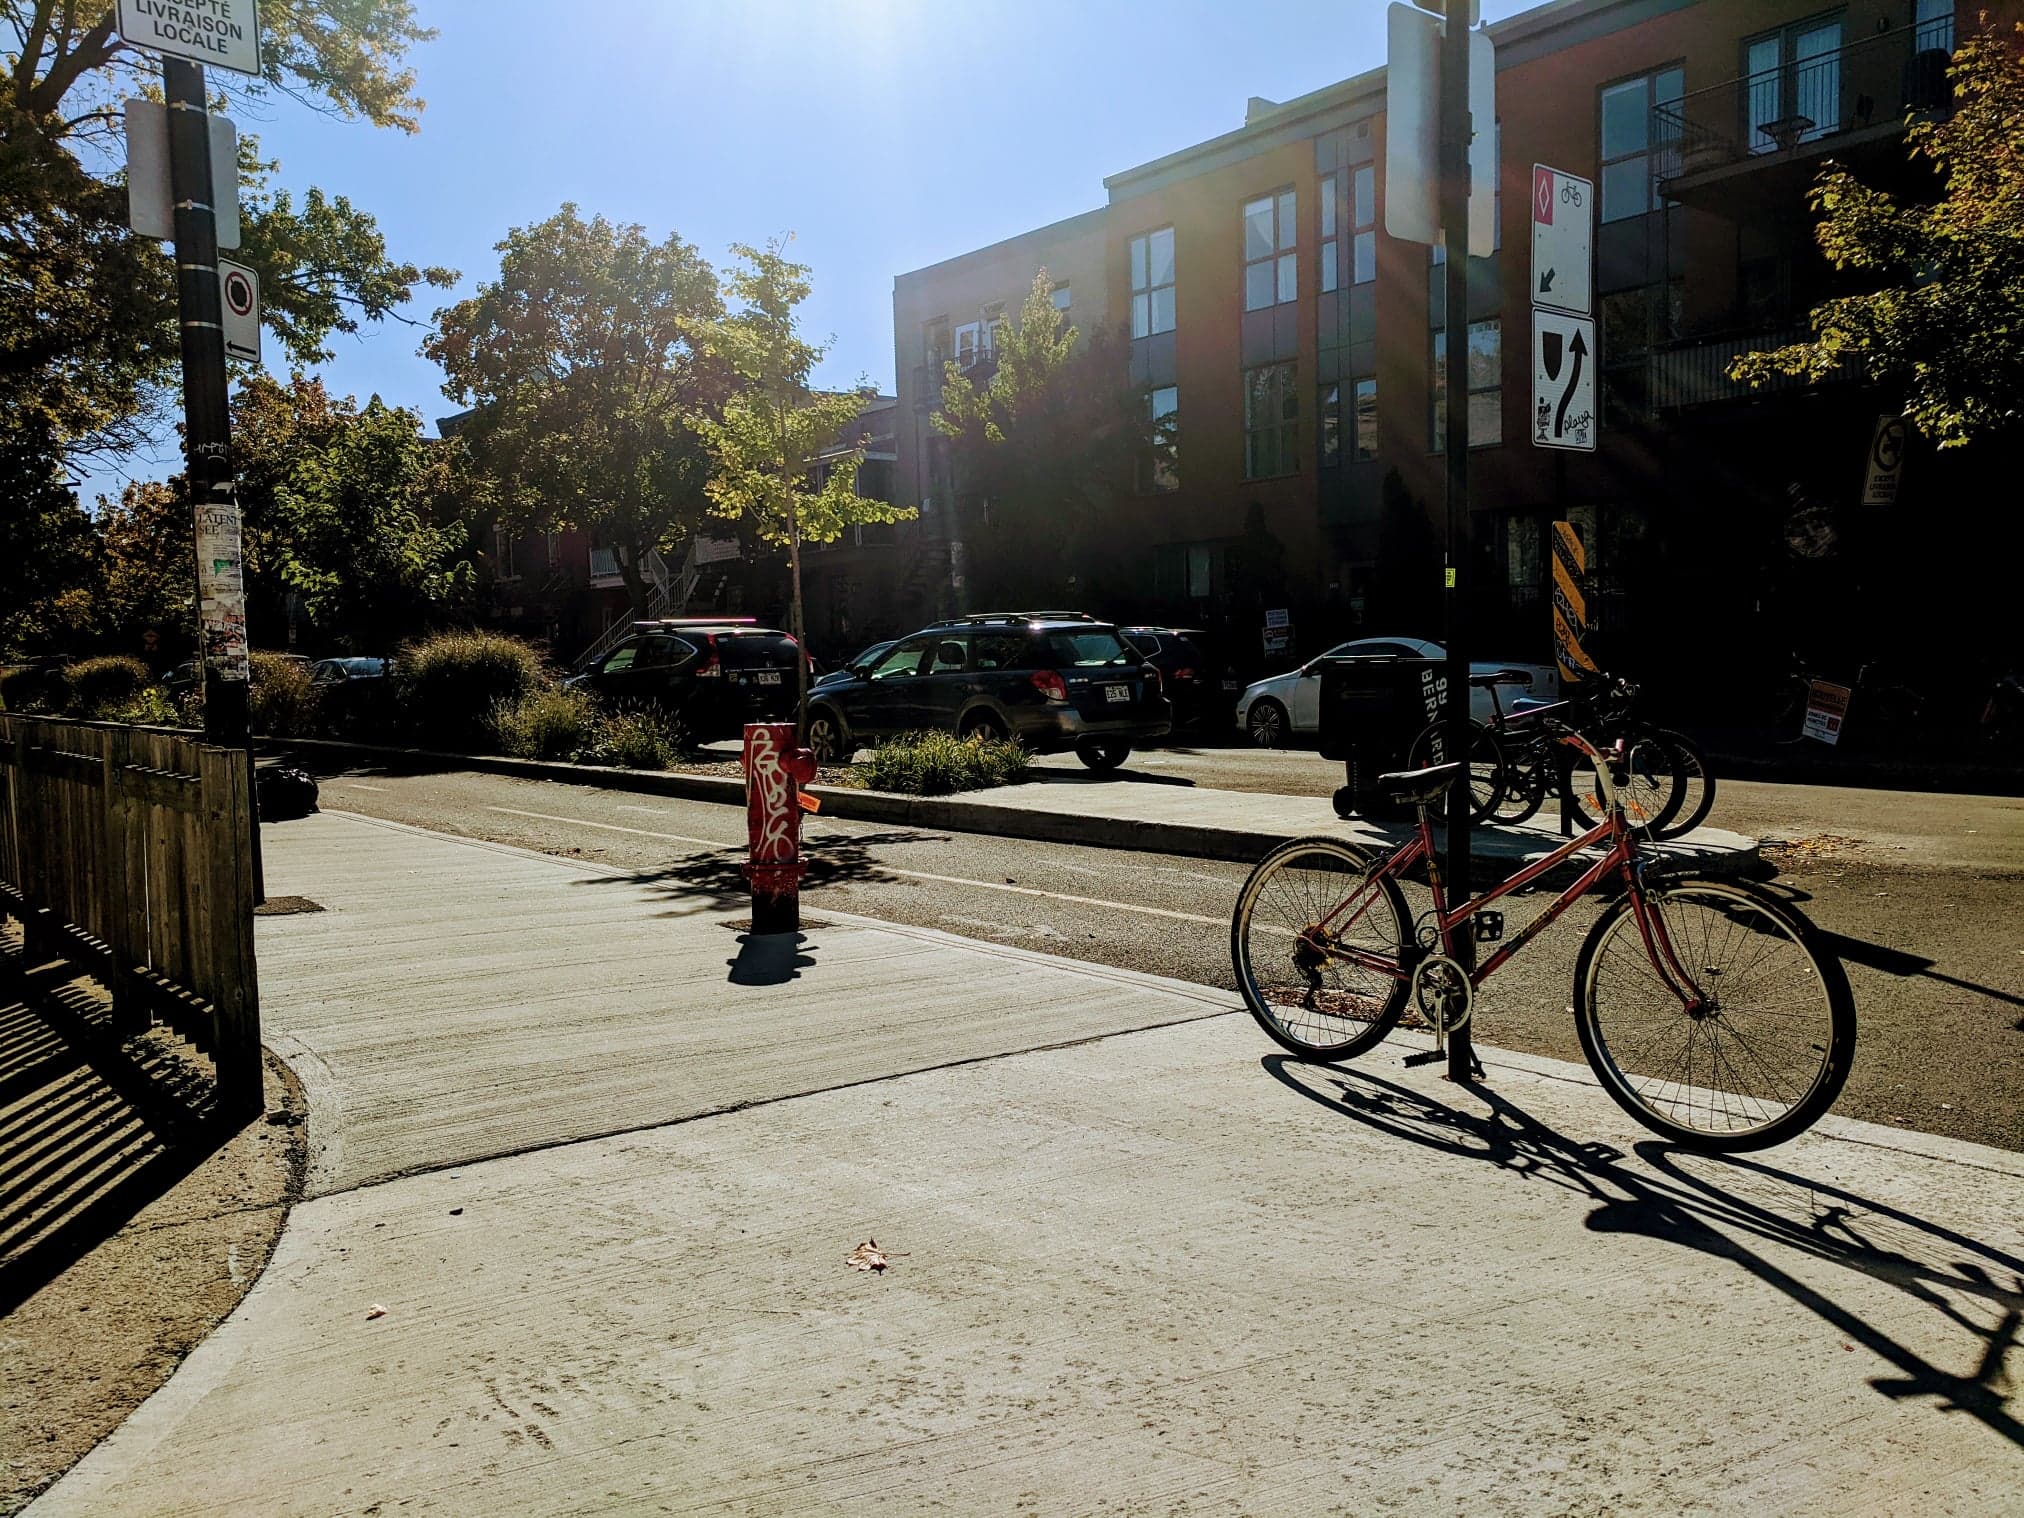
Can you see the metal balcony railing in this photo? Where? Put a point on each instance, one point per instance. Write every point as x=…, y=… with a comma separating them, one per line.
x=1804, y=103
x=1696, y=372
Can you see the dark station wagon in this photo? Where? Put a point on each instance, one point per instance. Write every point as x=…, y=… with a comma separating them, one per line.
x=713, y=676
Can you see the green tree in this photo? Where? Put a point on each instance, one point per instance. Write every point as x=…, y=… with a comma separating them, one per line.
x=1045, y=446
x=1944, y=322
x=773, y=427
x=48, y=559
x=147, y=566
x=582, y=366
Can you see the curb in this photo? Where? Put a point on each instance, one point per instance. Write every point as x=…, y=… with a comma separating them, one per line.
x=1230, y=845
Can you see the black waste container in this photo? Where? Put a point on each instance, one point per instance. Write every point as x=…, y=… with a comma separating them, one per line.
x=1371, y=710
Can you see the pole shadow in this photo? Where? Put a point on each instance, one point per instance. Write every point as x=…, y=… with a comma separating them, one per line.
x=769, y=959
x=1720, y=1205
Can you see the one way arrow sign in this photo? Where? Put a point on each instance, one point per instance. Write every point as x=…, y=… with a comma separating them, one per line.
x=1563, y=381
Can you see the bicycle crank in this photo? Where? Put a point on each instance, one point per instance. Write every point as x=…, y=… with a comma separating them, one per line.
x=1442, y=992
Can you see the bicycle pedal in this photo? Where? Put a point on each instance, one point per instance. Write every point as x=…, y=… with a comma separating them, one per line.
x=1424, y=1057
x=1489, y=926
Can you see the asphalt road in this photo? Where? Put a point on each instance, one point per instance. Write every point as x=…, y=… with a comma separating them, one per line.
x=1923, y=893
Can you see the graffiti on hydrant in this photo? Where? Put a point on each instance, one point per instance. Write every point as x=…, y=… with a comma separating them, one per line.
x=775, y=770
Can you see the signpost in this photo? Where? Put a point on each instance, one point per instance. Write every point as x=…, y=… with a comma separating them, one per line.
x=1563, y=381
x=221, y=32
x=1563, y=300
x=1886, y=462
x=1563, y=240
x=239, y=295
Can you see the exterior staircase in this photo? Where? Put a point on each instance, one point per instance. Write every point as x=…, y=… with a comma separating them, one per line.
x=668, y=598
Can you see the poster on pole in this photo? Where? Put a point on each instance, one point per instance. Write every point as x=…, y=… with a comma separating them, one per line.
x=222, y=33
x=221, y=589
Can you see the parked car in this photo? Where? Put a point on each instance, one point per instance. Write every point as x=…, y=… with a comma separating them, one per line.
x=1202, y=687
x=1052, y=680
x=354, y=692
x=712, y=675
x=1281, y=707
x=856, y=665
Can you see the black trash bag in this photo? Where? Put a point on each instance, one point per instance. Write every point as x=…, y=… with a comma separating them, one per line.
x=284, y=793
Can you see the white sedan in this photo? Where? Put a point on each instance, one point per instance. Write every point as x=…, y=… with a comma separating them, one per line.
x=1287, y=706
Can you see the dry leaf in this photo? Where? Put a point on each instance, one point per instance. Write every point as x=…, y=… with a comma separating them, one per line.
x=868, y=1256
x=375, y=1311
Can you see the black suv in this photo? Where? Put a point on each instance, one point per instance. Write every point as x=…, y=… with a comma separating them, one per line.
x=713, y=676
x=1202, y=687
x=1053, y=680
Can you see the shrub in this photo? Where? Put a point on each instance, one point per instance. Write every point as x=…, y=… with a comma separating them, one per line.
x=551, y=723
x=151, y=708
x=449, y=685
x=635, y=738
x=112, y=680
x=34, y=688
x=934, y=764
x=282, y=701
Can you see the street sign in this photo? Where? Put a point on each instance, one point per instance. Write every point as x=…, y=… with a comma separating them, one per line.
x=1412, y=160
x=1278, y=617
x=239, y=293
x=1563, y=381
x=1563, y=239
x=151, y=208
x=224, y=33
x=1826, y=710
x=1886, y=462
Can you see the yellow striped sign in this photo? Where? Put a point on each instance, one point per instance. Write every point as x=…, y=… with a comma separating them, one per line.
x=1570, y=604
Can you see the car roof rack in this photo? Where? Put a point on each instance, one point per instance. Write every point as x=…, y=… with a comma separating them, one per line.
x=1019, y=616
x=698, y=622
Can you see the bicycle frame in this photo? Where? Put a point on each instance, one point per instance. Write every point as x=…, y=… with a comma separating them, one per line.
x=1621, y=858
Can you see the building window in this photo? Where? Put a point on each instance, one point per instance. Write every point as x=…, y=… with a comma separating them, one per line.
x=937, y=344
x=1933, y=26
x=1640, y=140
x=1271, y=265
x=1159, y=467
x=1331, y=191
x=1363, y=210
x=1792, y=82
x=505, y=554
x=1271, y=421
x=1366, y=417
x=1486, y=386
x=973, y=341
x=1328, y=423
x=1062, y=297
x=1152, y=283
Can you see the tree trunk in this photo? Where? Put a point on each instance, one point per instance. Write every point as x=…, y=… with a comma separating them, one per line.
x=799, y=627
x=635, y=581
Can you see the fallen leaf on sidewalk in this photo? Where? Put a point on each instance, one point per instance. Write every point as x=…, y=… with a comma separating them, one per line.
x=868, y=1256
x=375, y=1311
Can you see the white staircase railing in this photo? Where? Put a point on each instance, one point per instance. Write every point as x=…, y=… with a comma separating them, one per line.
x=669, y=597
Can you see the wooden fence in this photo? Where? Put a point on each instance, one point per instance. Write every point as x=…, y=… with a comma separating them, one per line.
x=127, y=850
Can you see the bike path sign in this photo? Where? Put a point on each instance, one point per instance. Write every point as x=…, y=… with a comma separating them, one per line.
x=1563, y=381
x=1563, y=240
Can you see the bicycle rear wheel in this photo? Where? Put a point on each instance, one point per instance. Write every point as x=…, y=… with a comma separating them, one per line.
x=1764, y=1047
x=1306, y=902
x=1646, y=778
x=1486, y=766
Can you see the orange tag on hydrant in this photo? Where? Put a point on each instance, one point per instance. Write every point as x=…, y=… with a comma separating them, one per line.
x=808, y=803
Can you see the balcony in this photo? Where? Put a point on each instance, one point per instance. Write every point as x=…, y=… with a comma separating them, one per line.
x=1695, y=373
x=1756, y=141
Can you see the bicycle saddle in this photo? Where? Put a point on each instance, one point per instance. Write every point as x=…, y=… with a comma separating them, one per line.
x=1501, y=677
x=1419, y=787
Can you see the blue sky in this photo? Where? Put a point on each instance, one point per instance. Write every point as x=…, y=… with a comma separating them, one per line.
x=885, y=134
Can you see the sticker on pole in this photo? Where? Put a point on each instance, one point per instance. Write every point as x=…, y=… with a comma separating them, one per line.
x=1563, y=381
x=1826, y=710
x=223, y=33
x=1563, y=240
x=239, y=298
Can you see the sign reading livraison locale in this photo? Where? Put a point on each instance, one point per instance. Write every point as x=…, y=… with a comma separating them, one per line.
x=225, y=33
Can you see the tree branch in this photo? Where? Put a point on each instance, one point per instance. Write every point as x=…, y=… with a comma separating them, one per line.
x=96, y=49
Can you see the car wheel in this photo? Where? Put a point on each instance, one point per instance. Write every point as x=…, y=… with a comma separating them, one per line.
x=982, y=725
x=1266, y=723
x=826, y=737
x=1099, y=755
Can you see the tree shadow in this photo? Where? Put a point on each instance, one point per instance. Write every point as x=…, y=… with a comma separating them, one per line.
x=707, y=878
x=92, y=1129
x=1718, y=1204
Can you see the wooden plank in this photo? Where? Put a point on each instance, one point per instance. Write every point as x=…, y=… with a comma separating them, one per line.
x=165, y=788
x=234, y=992
x=126, y=895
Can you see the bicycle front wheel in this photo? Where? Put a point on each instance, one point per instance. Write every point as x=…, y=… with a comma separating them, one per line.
x=1645, y=777
x=1320, y=943
x=1693, y=795
x=1710, y=1015
x=1486, y=767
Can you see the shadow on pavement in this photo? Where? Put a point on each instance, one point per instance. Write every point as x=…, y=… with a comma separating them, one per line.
x=769, y=959
x=710, y=877
x=1716, y=1204
x=1047, y=775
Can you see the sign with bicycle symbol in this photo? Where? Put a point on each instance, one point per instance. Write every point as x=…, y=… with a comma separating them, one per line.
x=1563, y=239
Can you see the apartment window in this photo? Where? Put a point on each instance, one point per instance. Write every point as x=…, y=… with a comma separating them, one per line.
x=1366, y=417
x=972, y=343
x=1062, y=298
x=1328, y=423
x=1271, y=266
x=1486, y=386
x=1160, y=468
x=1933, y=26
x=1363, y=211
x=1792, y=84
x=1271, y=421
x=1640, y=140
x=936, y=342
x=1152, y=283
x=1331, y=191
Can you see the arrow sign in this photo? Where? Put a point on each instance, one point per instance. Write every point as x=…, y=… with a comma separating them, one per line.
x=1546, y=281
x=1563, y=239
x=1563, y=381
x=1578, y=346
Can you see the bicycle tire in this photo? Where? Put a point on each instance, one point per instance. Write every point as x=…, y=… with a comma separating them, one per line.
x=1693, y=787
x=1486, y=767
x=1648, y=790
x=1778, y=946
x=1363, y=1010
x=1524, y=791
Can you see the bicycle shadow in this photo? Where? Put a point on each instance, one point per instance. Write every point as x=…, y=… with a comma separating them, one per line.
x=1716, y=1204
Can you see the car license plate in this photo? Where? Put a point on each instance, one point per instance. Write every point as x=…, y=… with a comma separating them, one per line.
x=769, y=677
x=1233, y=685
x=1117, y=693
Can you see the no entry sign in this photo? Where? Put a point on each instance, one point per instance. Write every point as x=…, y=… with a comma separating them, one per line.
x=239, y=295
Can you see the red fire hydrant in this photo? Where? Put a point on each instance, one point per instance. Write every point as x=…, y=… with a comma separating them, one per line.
x=775, y=771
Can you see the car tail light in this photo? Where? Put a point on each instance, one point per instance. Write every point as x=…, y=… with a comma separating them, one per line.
x=1184, y=673
x=712, y=668
x=1050, y=684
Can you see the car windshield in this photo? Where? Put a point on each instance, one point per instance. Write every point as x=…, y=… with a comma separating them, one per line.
x=1088, y=650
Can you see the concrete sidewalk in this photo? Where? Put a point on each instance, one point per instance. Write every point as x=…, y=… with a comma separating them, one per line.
x=1159, y=1270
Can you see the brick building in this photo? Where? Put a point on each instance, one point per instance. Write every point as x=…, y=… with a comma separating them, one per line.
x=1296, y=347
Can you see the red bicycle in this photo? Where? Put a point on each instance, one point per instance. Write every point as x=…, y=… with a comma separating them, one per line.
x=1705, y=1007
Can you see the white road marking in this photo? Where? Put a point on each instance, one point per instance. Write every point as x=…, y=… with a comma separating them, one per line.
x=360, y=785
x=956, y=880
x=656, y=811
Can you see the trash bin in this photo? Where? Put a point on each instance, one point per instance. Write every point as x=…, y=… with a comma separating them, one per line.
x=1371, y=710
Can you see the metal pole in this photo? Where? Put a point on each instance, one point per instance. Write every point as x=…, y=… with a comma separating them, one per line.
x=207, y=425
x=1455, y=129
